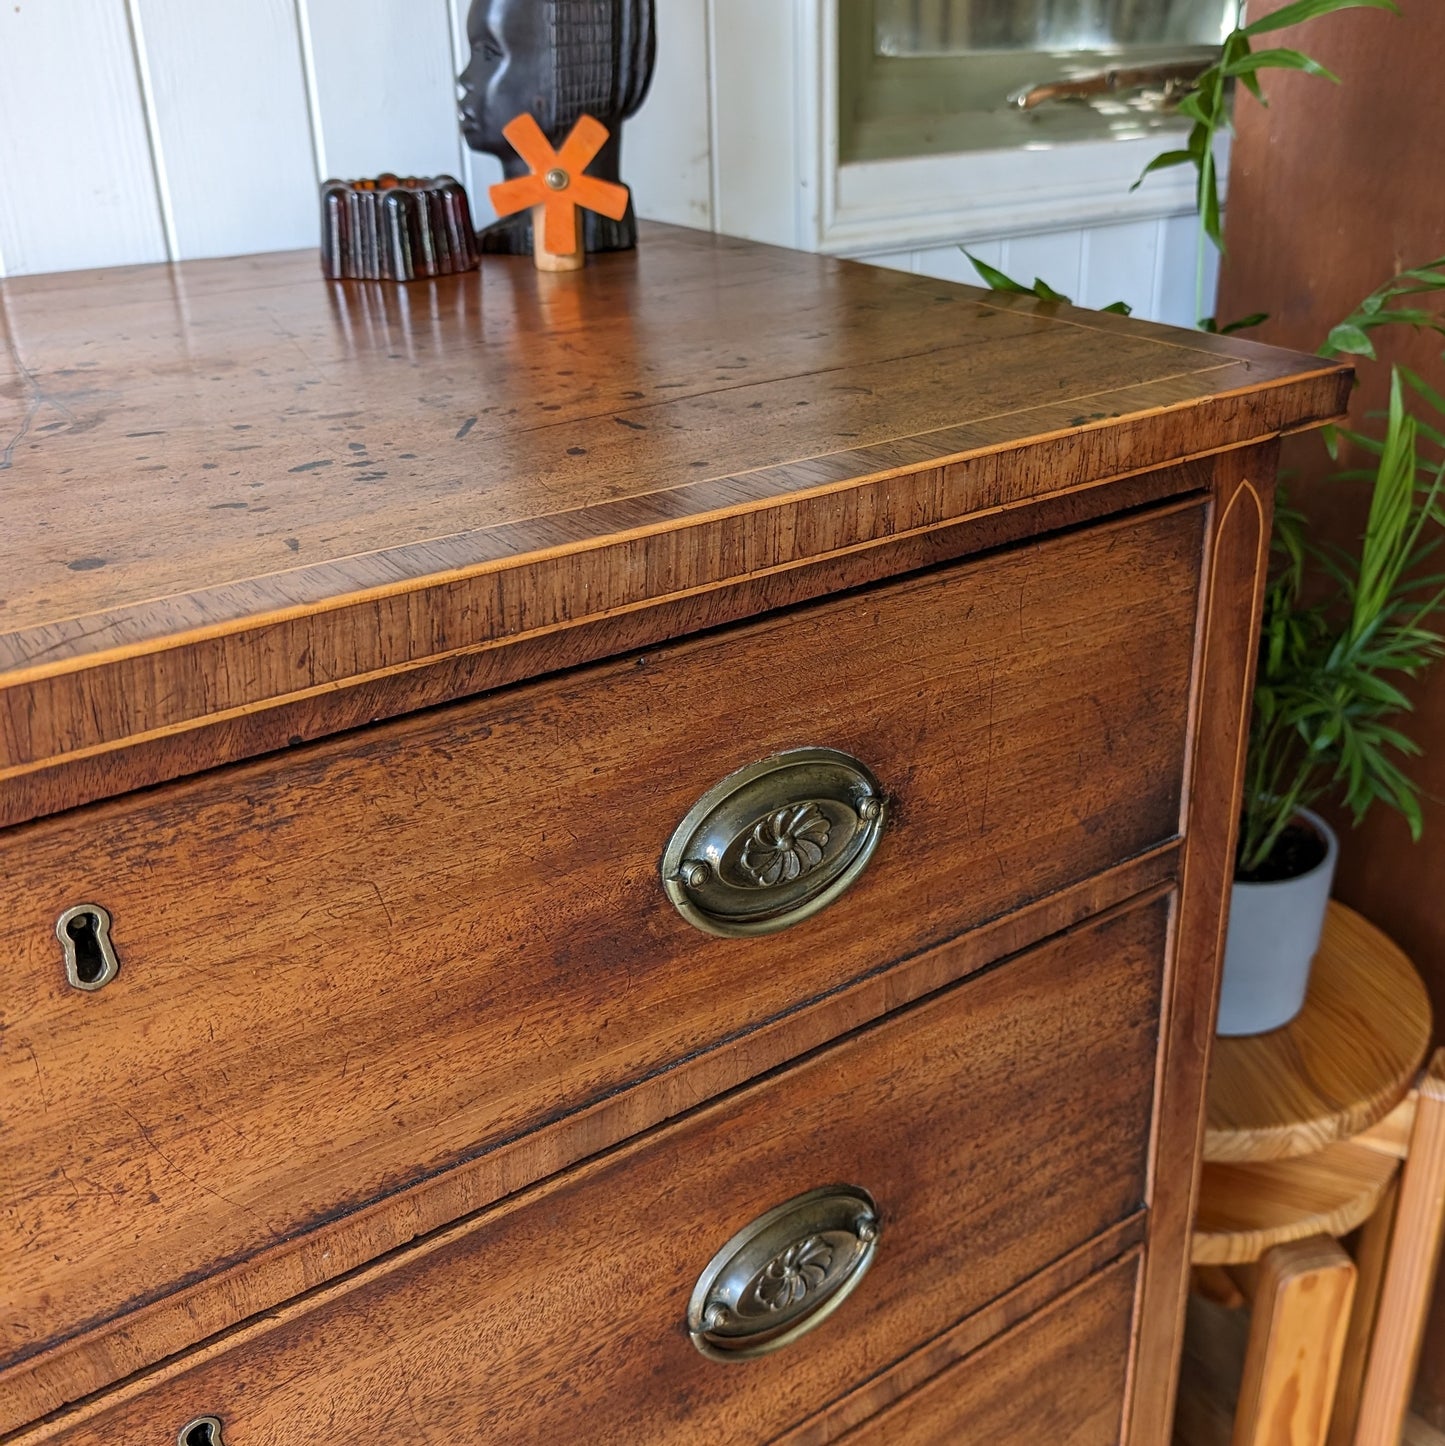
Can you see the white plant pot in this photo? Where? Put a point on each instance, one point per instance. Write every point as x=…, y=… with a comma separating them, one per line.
x=1274, y=934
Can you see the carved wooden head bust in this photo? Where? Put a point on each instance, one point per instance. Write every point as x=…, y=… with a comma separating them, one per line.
x=558, y=59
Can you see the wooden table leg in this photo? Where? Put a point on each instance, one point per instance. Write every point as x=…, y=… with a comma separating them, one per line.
x=1301, y=1312
x=1371, y=1257
x=1409, y=1270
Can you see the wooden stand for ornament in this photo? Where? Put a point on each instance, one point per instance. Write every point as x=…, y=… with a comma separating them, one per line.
x=545, y=260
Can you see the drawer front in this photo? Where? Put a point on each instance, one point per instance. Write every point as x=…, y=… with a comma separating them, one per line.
x=1057, y=1378
x=996, y=1126
x=346, y=969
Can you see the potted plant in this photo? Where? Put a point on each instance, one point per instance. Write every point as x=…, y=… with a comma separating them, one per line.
x=1332, y=654
x=1340, y=631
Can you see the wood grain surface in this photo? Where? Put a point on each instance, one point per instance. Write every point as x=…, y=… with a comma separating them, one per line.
x=1314, y=224
x=1244, y=1209
x=137, y=1339
x=382, y=927
x=1339, y=1067
x=1301, y=1311
x=887, y=1387
x=1238, y=544
x=235, y=485
x=1409, y=1270
x=87, y=776
x=1371, y=1253
x=376, y=991
x=567, y=1303
x=1057, y=1378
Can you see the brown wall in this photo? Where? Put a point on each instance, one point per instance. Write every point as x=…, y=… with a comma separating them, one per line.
x=1332, y=190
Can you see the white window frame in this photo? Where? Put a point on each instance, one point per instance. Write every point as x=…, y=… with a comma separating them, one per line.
x=775, y=81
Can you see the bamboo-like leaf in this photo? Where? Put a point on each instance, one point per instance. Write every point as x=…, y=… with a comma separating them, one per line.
x=1235, y=44
x=1118, y=308
x=1377, y=689
x=1301, y=10
x=1373, y=311
x=1415, y=316
x=1161, y=162
x=1431, y=275
x=1425, y=432
x=993, y=278
x=1279, y=60
x=1209, y=201
x=1193, y=106
x=1347, y=337
x=1380, y=555
x=1422, y=388
x=1398, y=740
x=1330, y=674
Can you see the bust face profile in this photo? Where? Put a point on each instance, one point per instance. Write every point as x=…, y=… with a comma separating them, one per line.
x=558, y=59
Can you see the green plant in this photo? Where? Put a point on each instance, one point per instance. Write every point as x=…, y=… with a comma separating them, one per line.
x=995, y=280
x=1207, y=105
x=1327, y=686
x=1341, y=629
x=1327, y=691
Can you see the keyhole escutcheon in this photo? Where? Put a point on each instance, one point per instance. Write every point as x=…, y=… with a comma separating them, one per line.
x=203, y=1431
x=84, y=934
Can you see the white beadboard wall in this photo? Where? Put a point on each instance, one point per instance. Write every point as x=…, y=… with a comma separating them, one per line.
x=141, y=130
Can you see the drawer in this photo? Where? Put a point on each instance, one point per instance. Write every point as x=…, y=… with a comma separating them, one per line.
x=995, y=1126
x=1056, y=1378
x=346, y=970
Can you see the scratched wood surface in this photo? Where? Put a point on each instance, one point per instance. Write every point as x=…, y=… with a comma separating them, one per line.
x=568, y=1303
x=228, y=485
x=360, y=496
x=382, y=926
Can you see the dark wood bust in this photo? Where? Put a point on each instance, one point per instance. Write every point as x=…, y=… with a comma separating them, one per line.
x=558, y=59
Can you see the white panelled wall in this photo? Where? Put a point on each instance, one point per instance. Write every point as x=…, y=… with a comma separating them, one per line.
x=141, y=130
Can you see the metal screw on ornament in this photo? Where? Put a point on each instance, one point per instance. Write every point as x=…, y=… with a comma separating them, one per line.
x=557, y=187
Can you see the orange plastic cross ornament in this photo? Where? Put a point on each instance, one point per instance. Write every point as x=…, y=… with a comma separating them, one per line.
x=556, y=188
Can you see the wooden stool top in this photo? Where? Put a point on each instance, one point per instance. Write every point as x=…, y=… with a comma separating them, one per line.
x=1341, y=1065
x=1246, y=1209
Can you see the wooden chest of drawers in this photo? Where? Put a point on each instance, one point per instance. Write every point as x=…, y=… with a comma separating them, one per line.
x=640, y=850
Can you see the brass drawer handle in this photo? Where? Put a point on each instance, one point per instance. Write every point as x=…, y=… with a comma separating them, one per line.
x=84, y=934
x=784, y=1274
x=203, y=1431
x=774, y=842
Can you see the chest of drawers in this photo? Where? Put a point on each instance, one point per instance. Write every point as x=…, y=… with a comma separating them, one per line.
x=639, y=851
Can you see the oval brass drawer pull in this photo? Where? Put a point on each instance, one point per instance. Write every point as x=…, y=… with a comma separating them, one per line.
x=774, y=842
x=84, y=934
x=784, y=1274
x=203, y=1431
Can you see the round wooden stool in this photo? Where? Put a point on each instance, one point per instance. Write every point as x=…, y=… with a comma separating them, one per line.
x=1307, y=1126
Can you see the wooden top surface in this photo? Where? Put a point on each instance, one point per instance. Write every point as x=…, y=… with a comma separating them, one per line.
x=214, y=448
x=1340, y=1066
x=1248, y=1208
